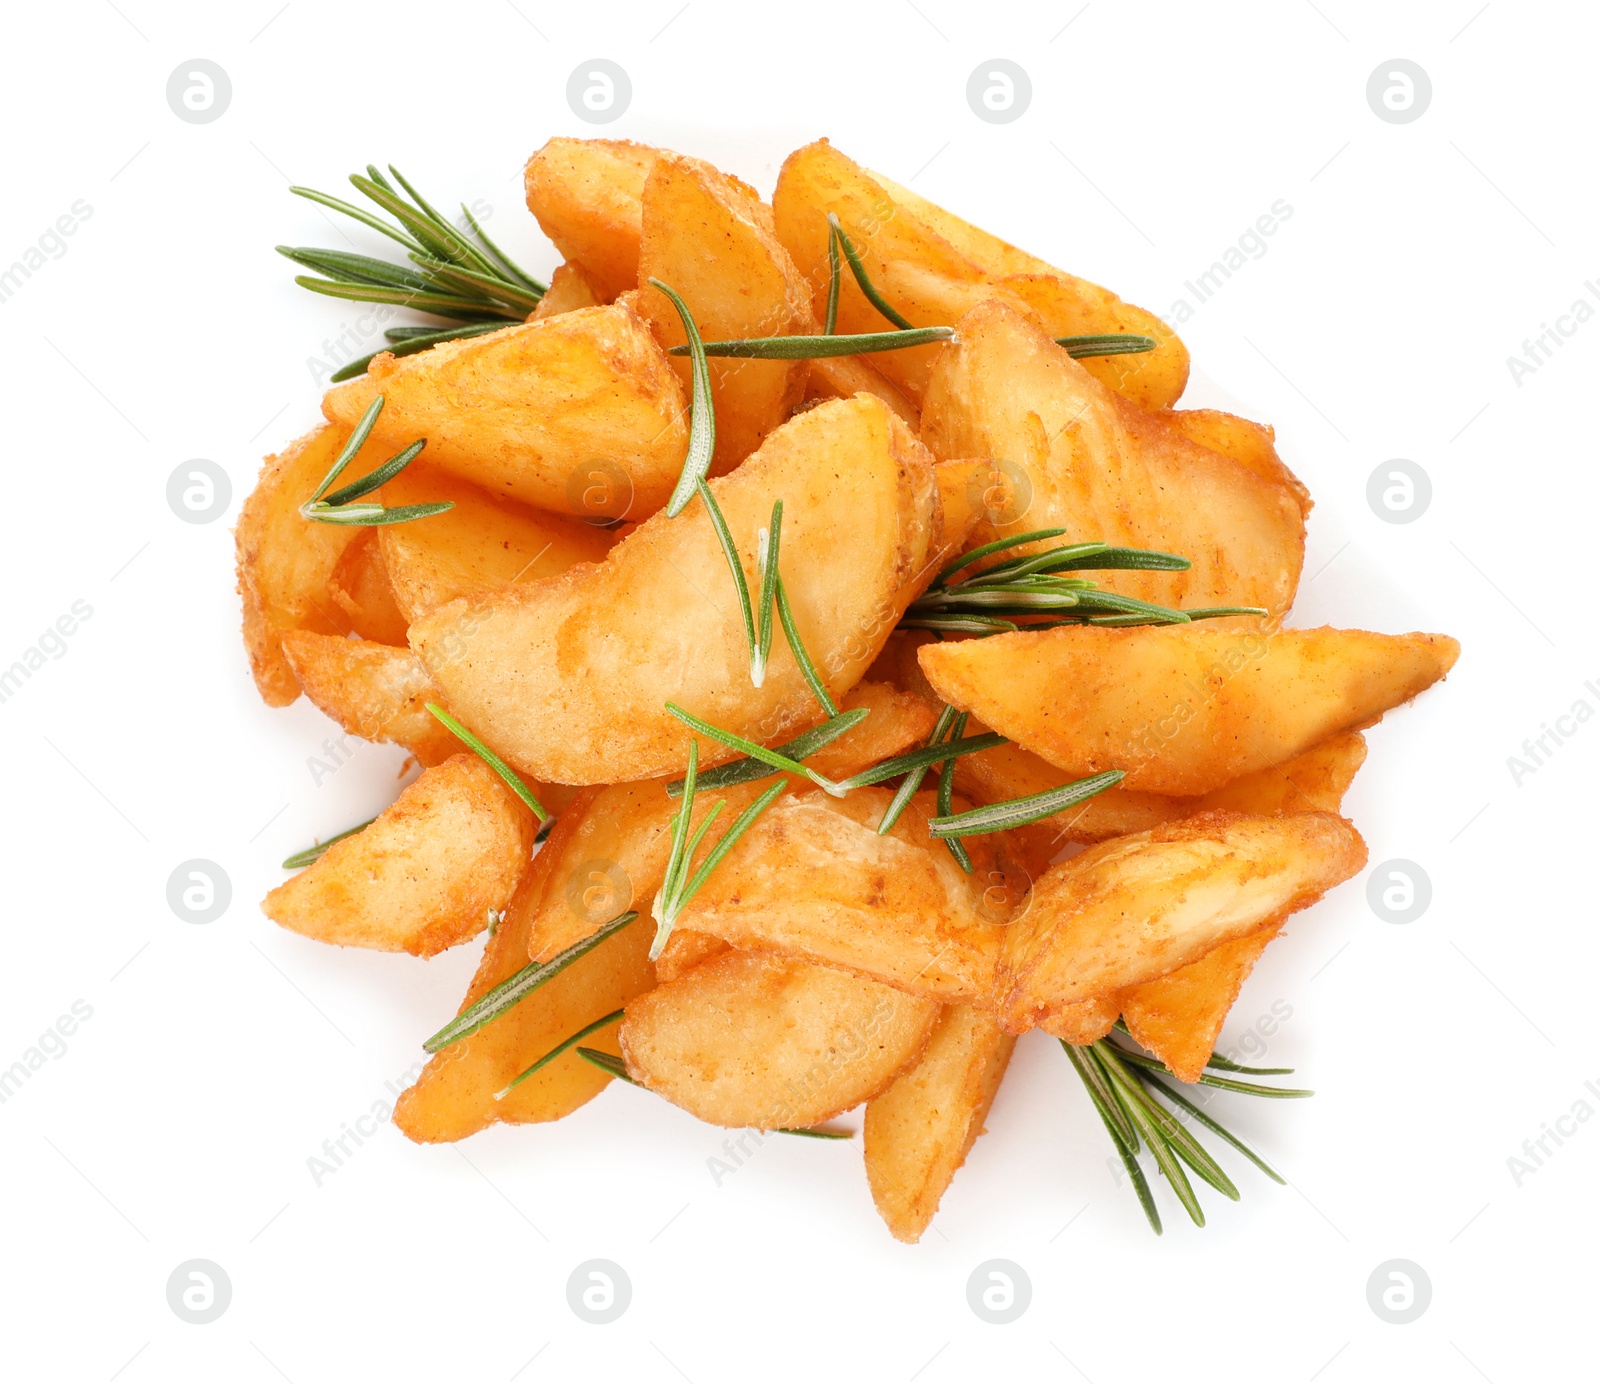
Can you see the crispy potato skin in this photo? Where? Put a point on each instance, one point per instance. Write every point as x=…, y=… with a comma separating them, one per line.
x=424, y=876
x=704, y=235
x=568, y=678
x=480, y=546
x=523, y=412
x=586, y=195
x=1140, y=906
x=1084, y=1021
x=609, y=849
x=285, y=563
x=570, y=289
x=918, y=1133
x=751, y=1041
x=1086, y=460
x=813, y=879
x=1182, y=709
x=360, y=587
x=907, y=246
x=1252, y=445
x=455, y=1095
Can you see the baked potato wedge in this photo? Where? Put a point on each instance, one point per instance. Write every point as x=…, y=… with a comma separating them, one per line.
x=360, y=587
x=586, y=195
x=570, y=289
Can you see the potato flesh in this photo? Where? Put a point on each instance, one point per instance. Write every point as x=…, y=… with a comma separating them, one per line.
x=456, y=1094
x=751, y=1041
x=586, y=195
x=568, y=678
x=527, y=411
x=918, y=1132
x=702, y=235
x=1089, y=462
x=1140, y=906
x=424, y=876
x=570, y=289
x=841, y=377
x=1252, y=445
x=609, y=850
x=360, y=587
x=480, y=546
x=1182, y=709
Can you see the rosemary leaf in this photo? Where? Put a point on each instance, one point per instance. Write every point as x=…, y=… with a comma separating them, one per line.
x=377, y=477
x=508, y=264
x=1113, y=344
x=702, y=417
x=1217, y=1060
x=1194, y=1110
x=767, y=561
x=818, y=347
x=1000, y=545
x=1019, y=812
x=356, y=214
x=742, y=823
x=300, y=859
x=918, y=759
x=556, y=1052
x=1126, y=1090
x=747, y=770
x=370, y=516
x=911, y=785
x=512, y=779
x=859, y=270
x=808, y=670
x=489, y=286
x=1182, y=1143
x=741, y=587
x=1221, y=1083
x=348, y=268
x=1123, y=1135
x=831, y=319
x=518, y=987
x=755, y=751
x=946, y=795
x=353, y=444
x=465, y=251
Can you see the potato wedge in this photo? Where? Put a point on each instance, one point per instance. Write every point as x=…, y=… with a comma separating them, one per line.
x=425, y=875
x=1086, y=460
x=704, y=235
x=1086, y=1021
x=372, y=690
x=749, y=1041
x=360, y=587
x=570, y=289
x=481, y=545
x=684, y=950
x=917, y=1134
x=568, y=678
x=1140, y=906
x=813, y=879
x=842, y=377
x=609, y=850
x=285, y=562
x=1252, y=445
x=586, y=196
x=456, y=1094
x=1182, y=709
x=933, y=282
x=528, y=412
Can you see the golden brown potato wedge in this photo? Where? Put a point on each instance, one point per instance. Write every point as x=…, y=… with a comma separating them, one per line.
x=570, y=289
x=1179, y=1015
x=684, y=950
x=360, y=587
x=1182, y=709
x=372, y=690
x=704, y=236
x=609, y=850
x=456, y=1093
x=586, y=195
x=1086, y=1021
x=841, y=377
x=933, y=282
x=568, y=678
x=919, y=1131
x=751, y=1041
x=286, y=562
x=425, y=875
x=1140, y=906
x=812, y=878
x=1252, y=445
x=529, y=412
x=1085, y=460
x=481, y=545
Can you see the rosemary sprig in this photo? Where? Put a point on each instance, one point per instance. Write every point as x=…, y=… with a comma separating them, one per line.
x=338, y=508
x=677, y=886
x=808, y=670
x=1019, y=812
x=513, y=780
x=570, y=1041
x=702, y=417
x=749, y=747
x=911, y=785
x=747, y=770
x=946, y=795
x=300, y=859
x=1123, y=1087
x=741, y=588
x=511, y=991
x=817, y=347
x=859, y=270
x=614, y=1066
x=933, y=753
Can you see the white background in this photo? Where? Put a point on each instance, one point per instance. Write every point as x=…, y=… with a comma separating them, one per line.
x=180, y=1119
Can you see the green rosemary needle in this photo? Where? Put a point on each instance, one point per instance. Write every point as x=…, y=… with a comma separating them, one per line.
x=1110, y=344
x=767, y=561
x=339, y=507
x=911, y=785
x=1019, y=812
x=932, y=753
x=300, y=859
x=741, y=588
x=946, y=795
x=808, y=670
x=859, y=270
x=817, y=347
x=564, y=1045
x=513, y=780
x=747, y=770
x=702, y=417
x=516, y=988
x=755, y=751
